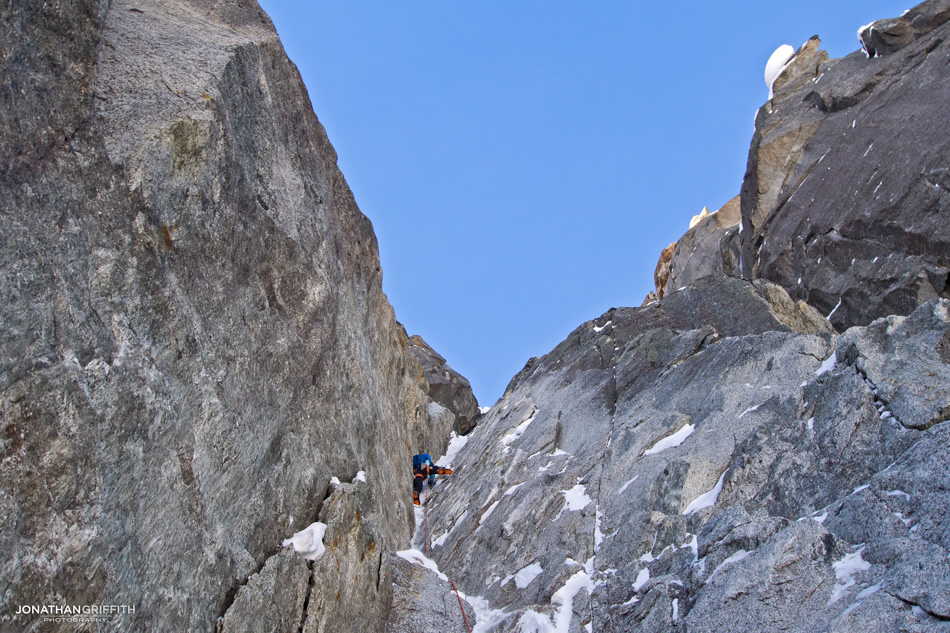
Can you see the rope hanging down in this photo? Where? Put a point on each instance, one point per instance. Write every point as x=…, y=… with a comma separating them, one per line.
x=461, y=607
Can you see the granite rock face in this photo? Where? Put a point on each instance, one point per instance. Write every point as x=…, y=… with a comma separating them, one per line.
x=845, y=199
x=447, y=388
x=709, y=247
x=194, y=337
x=663, y=472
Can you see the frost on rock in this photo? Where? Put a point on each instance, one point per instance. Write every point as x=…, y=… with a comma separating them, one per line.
x=308, y=542
x=778, y=61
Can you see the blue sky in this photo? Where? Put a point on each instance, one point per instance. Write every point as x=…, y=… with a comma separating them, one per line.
x=525, y=162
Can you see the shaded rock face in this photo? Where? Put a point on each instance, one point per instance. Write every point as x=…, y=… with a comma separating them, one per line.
x=845, y=199
x=448, y=389
x=709, y=247
x=662, y=472
x=884, y=37
x=194, y=337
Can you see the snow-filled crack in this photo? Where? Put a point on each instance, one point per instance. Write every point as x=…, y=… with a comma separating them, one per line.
x=911, y=603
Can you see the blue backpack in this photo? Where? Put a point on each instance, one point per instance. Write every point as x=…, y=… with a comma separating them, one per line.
x=418, y=461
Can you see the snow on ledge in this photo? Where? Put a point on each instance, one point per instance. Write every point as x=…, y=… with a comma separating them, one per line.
x=706, y=499
x=845, y=569
x=671, y=441
x=416, y=557
x=576, y=498
x=308, y=542
x=828, y=365
x=524, y=577
x=778, y=61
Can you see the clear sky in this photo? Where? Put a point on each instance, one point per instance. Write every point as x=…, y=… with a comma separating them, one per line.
x=524, y=162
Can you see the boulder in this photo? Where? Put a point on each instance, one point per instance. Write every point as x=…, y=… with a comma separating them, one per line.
x=447, y=388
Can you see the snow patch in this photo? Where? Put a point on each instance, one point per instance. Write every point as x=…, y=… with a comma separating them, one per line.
x=456, y=442
x=706, y=499
x=488, y=512
x=524, y=577
x=416, y=557
x=828, y=365
x=486, y=618
x=627, y=485
x=360, y=476
x=810, y=424
x=835, y=309
x=598, y=534
x=671, y=441
x=534, y=622
x=749, y=410
x=844, y=573
x=511, y=490
x=735, y=558
x=899, y=493
x=642, y=578
x=576, y=498
x=599, y=329
x=308, y=542
x=692, y=544
x=519, y=430
x=439, y=542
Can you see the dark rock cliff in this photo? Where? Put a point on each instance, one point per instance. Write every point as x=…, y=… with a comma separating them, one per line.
x=194, y=339
x=846, y=195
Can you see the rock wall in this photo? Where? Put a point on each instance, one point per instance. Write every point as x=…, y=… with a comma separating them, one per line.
x=194, y=339
x=846, y=195
x=673, y=468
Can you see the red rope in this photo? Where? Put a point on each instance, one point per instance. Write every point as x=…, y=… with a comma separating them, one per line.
x=461, y=607
x=425, y=502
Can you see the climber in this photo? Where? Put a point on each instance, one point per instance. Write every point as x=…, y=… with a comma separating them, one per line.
x=423, y=471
